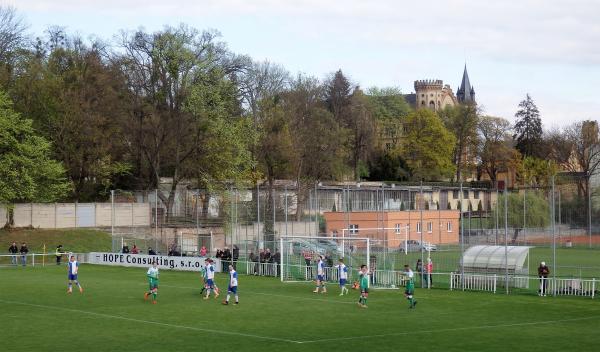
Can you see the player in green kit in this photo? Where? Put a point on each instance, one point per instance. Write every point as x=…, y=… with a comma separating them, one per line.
x=410, y=287
x=152, y=276
x=364, y=286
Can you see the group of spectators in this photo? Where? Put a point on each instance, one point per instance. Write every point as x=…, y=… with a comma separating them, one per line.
x=136, y=250
x=14, y=250
x=265, y=257
x=228, y=257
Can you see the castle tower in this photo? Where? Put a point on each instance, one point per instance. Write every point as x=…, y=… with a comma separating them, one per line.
x=433, y=94
x=466, y=92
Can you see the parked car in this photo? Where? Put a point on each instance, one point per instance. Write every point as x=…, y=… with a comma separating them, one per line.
x=301, y=246
x=415, y=246
x=330, y=246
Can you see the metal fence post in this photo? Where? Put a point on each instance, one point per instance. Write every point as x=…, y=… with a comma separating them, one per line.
x=553, y=241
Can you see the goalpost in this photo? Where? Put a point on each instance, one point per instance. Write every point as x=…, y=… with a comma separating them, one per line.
x=299, y=255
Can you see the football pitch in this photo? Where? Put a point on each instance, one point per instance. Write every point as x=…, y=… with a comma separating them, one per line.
x=111, y=315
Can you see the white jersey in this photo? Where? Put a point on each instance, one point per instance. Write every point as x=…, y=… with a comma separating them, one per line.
x=410, y=274
x=320, y=268
x=210, y=272
x=73, y=267
x=153, y=272
x=342, y=271
x=233, y=281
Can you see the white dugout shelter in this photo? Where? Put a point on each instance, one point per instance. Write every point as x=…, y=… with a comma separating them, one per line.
x=496, y=259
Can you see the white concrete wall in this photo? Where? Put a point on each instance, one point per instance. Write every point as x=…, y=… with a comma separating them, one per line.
x=3, y=216
x=65, y=215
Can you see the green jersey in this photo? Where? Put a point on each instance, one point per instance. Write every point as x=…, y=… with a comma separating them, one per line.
x=364, y=281
x=152, y=276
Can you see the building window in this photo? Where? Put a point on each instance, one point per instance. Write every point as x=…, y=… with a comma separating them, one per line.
x=454, y=194
x=353, y=229
x=430, y=227
x=449, y=226
x=476, y=195
x=398, y=229
x=419, y=227
x=465, y=194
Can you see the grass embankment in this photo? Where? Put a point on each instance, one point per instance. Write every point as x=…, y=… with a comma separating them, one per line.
x=73, y=240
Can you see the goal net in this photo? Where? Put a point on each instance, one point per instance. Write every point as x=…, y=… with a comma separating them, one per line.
x=299, y=256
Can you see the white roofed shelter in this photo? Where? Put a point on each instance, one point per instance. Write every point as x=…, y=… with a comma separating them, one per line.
x=495, y=260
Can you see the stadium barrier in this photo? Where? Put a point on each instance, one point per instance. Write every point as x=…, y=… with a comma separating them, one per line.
x=473, y=282
x=38, y=259
x=553, y=286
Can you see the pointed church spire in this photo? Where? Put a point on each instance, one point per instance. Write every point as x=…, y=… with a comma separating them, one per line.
x=466, y=93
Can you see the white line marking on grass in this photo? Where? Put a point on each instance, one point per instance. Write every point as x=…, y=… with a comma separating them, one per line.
x=451, y=329
x=152, y=322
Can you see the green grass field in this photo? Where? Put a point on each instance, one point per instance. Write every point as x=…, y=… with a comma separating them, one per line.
x=111, y=315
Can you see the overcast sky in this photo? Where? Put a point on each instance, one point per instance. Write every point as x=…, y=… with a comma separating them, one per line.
x=547, y=48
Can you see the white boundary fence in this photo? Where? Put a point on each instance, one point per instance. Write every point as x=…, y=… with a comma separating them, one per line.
x=556, y=287
x=38, y=259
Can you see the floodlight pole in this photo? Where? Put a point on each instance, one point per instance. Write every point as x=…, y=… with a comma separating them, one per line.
x=524, y=214
x=462, y=238
x=258, y=215
x=554, y=242
x=421, y=228
x=286, y=210
x=506, y=234
x=280, y=257
x=589, y=189
x=112, y=217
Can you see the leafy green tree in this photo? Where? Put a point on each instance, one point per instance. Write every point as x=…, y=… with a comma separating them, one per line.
x=462, y=121
x=537, y=172
x=538, y=211
x=184, y=103
x=427, y=147
x=319, y=152
x=76, y=102
x=387, y=166
x=275, y=153
x=528, y=128
x=27, y=172
x=495, y=151
x=352, y=111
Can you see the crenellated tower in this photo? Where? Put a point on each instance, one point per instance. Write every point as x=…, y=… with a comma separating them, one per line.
x=433, y=94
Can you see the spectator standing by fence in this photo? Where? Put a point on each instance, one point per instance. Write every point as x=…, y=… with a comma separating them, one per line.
x=254, y=259
x=13, y=250
x=543, y=273
x=135, y=250
x=277, y=261
x=307, y=259
x=419, y=269
x=125, y=249
x=24, y=250
x=226, y=258
x=203, y=251
x=59, y=254
x=429, y=273
x=236, y=255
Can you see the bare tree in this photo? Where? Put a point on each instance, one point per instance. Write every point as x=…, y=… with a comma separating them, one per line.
x=12, y=32
x=496, y=152
x=583, y=138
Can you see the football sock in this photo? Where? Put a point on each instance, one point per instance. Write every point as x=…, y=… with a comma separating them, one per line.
x=236, y=299
x=227, y=299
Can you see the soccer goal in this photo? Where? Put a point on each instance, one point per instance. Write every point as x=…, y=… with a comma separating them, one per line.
x=299, y=256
